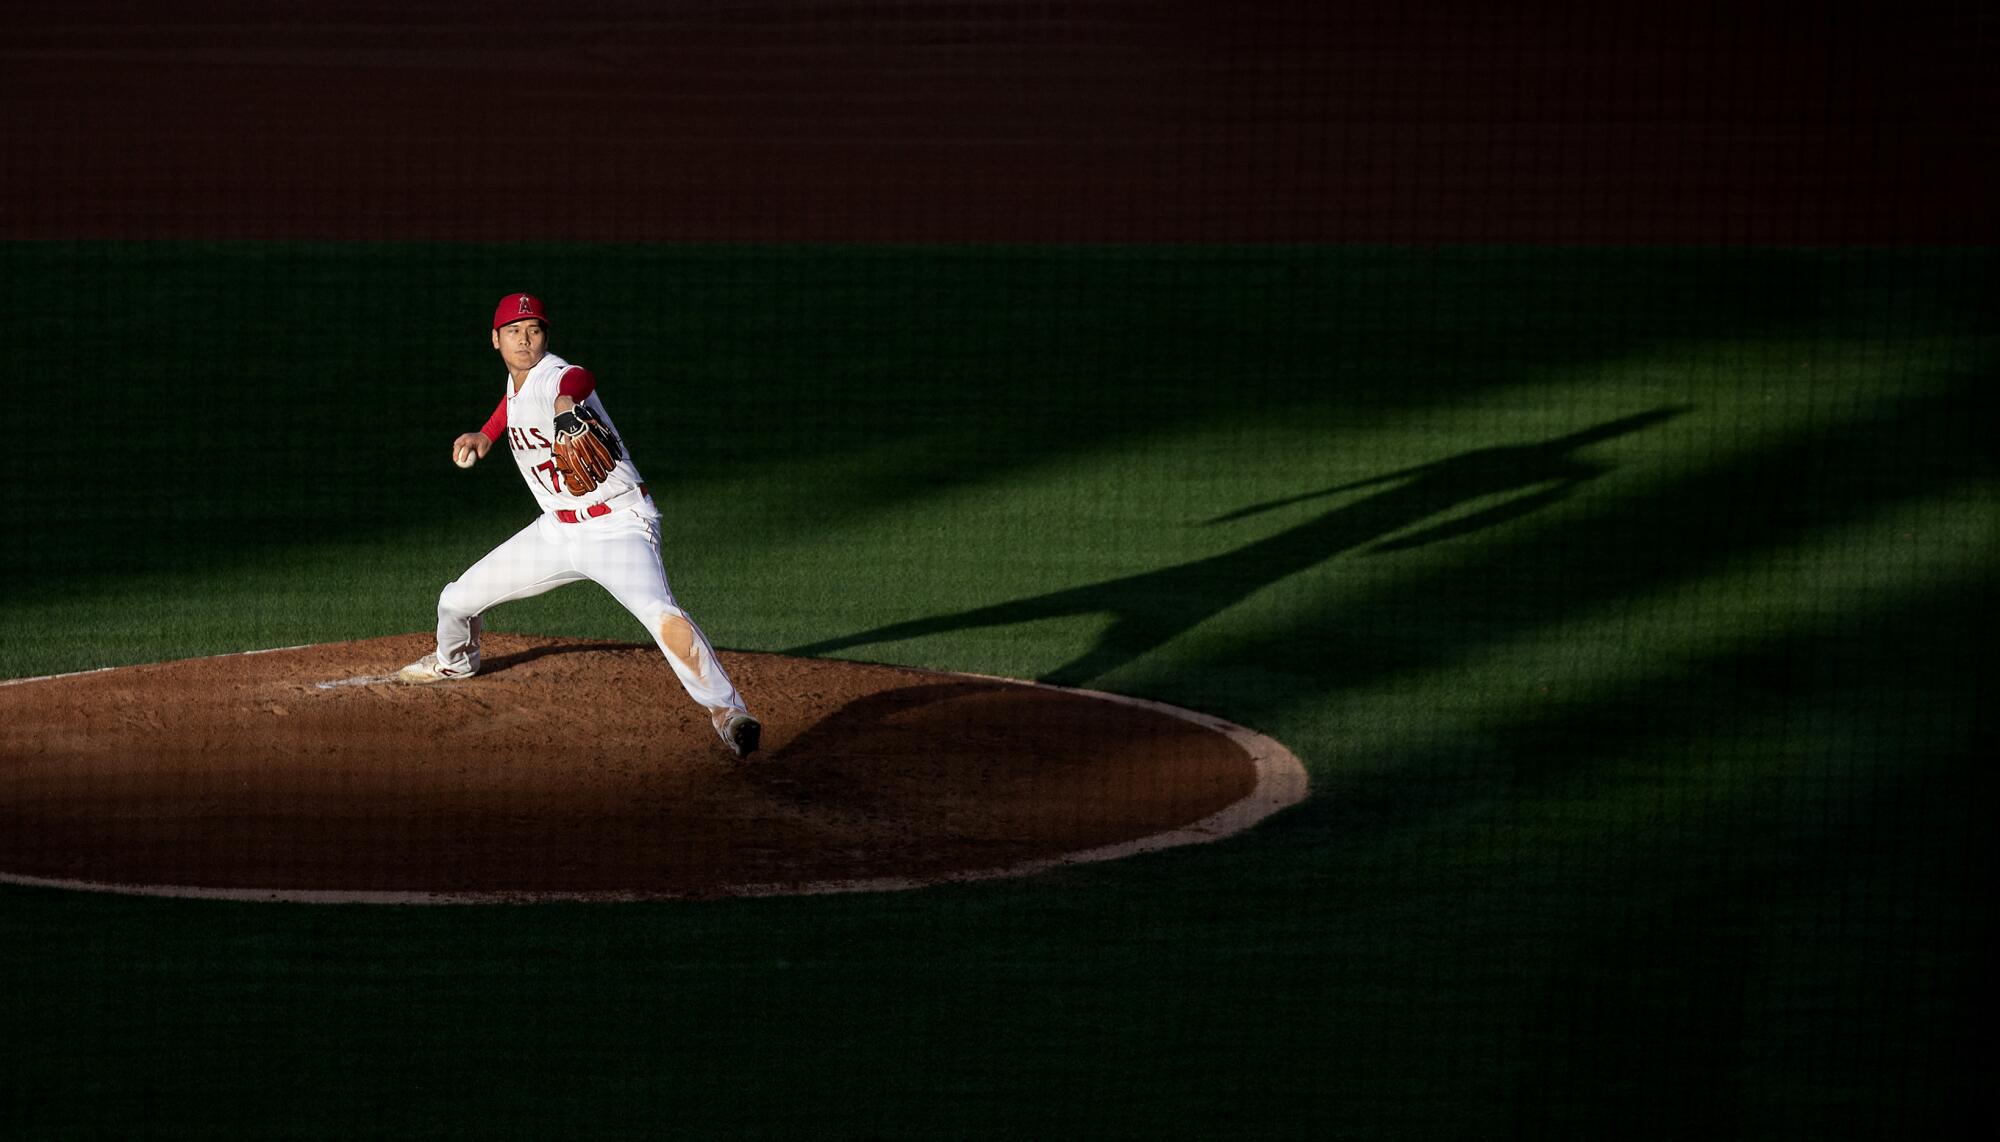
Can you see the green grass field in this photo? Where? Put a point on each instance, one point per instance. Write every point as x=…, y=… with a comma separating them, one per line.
x=1628, y=607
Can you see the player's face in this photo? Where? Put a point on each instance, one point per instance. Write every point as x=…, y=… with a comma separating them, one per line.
x=522, y=345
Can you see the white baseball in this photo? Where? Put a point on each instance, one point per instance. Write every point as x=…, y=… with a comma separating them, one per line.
x=466, y=458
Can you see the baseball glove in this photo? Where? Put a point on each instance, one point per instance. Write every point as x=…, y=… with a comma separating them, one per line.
x=584, y=451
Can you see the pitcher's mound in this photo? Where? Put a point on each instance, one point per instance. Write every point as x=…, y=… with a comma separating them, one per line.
x=581, y=770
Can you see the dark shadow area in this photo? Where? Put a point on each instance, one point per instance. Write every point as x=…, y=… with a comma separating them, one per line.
x=1771, y=823
x=1153, y=607
x=1172, y=121
x=825, y=737
x=523, y=657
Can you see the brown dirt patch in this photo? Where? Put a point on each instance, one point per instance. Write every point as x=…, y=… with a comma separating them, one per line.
x=574, y=769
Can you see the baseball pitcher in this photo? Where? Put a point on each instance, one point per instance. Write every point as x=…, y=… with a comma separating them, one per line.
x=598, y=522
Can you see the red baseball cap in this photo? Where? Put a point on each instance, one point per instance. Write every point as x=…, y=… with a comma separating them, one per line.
x=519, y=307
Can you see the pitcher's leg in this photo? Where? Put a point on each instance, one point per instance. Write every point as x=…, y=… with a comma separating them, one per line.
x=625, y=561
x=694, y=662
x=527, y=564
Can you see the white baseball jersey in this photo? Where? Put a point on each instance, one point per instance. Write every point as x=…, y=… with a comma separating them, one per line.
x=531, y=435
x=619, y=549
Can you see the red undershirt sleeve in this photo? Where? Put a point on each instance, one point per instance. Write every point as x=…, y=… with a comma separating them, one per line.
x=577, y=383
x=496, y=425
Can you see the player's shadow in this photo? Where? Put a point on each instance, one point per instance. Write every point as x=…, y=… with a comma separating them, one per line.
x=1152, y=607
x=501, y=662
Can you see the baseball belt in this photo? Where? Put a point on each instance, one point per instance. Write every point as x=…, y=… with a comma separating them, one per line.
x=565, y=515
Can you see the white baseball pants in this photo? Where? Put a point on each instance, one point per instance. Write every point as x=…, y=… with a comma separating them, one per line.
x=621, y=553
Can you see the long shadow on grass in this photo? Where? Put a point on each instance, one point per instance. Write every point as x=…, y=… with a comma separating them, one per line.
x=1153, y=607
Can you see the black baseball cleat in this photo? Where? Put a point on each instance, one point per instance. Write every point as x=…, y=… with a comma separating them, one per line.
x=739, y=731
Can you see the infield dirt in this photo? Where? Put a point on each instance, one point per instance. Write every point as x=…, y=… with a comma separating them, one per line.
x=297, y=772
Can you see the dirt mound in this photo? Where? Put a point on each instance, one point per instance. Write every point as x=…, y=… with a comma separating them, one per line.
x=581, y=770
